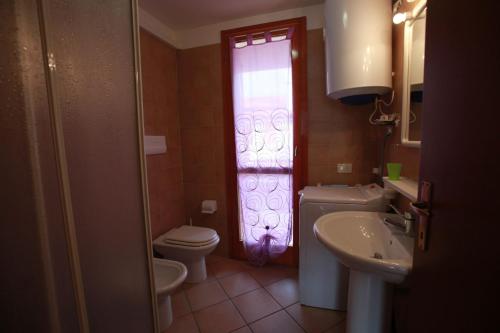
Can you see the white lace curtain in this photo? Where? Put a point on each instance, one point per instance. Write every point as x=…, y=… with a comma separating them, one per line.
x=263, y=113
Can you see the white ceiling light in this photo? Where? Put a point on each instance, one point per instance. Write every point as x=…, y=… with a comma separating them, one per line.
x=401, y=17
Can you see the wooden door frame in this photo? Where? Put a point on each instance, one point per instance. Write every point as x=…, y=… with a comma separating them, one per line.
x=299, y=84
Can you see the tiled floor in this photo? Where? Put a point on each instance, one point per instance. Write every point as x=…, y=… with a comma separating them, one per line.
x=237, y=297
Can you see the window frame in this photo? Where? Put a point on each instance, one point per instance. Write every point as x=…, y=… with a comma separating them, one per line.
x=299, y=77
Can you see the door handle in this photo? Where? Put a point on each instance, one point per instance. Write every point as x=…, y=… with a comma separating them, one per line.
x=423, y=209
x=420, y=208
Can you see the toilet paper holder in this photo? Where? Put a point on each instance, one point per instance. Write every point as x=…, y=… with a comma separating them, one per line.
x=208, y=206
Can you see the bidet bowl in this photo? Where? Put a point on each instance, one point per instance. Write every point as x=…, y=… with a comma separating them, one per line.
x=169, y=275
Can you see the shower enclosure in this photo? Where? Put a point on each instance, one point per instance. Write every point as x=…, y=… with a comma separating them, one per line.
x=74, y=233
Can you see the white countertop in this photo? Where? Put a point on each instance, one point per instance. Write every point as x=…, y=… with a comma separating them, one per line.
x=405, y=186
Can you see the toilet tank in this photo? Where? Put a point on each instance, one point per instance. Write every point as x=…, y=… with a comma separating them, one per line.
x=358, y=46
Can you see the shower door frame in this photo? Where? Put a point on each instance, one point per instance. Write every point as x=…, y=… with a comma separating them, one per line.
x=299, y=88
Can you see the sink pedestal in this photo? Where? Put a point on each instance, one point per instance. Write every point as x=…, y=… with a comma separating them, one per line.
x=369, y=303
x=377, y=256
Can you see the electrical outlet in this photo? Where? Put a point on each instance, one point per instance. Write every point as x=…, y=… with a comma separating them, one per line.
x=344, y=168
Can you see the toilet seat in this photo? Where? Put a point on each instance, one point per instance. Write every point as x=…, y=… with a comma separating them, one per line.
x=190, y=236
x=188, y=245
x=168, y=242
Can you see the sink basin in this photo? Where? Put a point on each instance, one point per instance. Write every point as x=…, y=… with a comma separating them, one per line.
x=362, y=241
x=377, y=255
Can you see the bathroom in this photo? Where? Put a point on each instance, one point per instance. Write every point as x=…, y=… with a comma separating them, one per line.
x=135, y=166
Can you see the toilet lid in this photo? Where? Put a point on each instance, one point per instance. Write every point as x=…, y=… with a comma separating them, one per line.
x=190, y=236
x=171, y=242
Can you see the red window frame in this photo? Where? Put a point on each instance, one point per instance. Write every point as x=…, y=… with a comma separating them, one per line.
x=299, y=86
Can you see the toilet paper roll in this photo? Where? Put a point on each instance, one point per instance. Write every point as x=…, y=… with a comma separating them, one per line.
x=208, y=206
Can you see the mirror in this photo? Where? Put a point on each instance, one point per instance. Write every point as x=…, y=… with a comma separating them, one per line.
x=413, y=79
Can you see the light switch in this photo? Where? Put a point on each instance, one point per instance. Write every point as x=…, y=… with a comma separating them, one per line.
x=344, y=168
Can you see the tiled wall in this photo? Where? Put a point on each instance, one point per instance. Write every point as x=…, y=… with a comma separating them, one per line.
x=200, y=96
x=161, y=117
x=337, y=133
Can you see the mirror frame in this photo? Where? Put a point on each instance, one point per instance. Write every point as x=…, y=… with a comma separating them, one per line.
x=408, y=39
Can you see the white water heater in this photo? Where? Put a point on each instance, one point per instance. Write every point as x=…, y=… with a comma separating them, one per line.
x=358, y=45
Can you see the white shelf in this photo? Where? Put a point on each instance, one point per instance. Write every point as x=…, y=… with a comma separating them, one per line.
x=405, y=186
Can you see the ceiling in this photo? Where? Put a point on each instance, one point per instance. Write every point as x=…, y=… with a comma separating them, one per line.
x=188, y=14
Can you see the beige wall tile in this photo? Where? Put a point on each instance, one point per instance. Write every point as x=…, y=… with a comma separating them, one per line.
x=201, y=116
x=337, y=133
x=161, y=117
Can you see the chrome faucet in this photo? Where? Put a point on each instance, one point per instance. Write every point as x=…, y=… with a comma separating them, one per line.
x=406, y=225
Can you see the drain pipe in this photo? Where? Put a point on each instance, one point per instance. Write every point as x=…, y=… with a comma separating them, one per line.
x=388, y=132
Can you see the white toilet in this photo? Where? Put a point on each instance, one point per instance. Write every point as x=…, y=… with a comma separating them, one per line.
x=189, y=245
x=169, y=275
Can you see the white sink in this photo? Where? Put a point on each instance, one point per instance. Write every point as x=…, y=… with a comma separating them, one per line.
x=377, y=254
x=362, y=241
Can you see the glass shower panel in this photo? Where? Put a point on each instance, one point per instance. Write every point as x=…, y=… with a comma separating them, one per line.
x=37, y=289
x=92, y=50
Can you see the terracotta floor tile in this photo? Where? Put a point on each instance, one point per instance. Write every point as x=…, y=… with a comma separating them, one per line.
x=226, y=267
x=286, y=291
x=238, y=284
x=244, y=329
x=276, y=323
x=185, y=324
x=315, y=320
x=180, y=305
x=210, y=277
x=255, y=305
x=267, y=275
x=247, y=265
x=339, y=328
x=187, y=286
x=205, y=294
x=211, y=258
x=219, y=318
x=293, y=272
x=210, y=274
